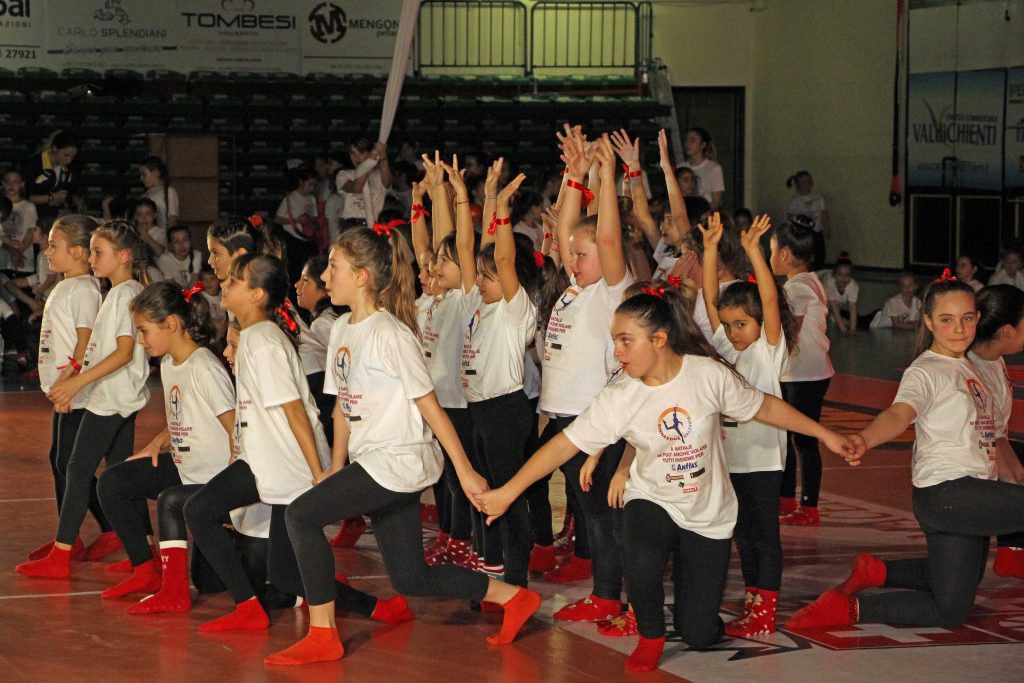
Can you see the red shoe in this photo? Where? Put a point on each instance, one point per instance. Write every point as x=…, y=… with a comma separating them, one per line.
x=124, y=566
x=437, y=551
x=459, y=553
x=144, y=579
x=786, y=505
x=542, y=558
x=1009, y=562
x=77, y=550
x=105, y=544
x=622, y=626
x=173, y=595
x=802, y=516
x=646, y=655
x=868, y=572
x=394, y=610
x=428, y=514
x=349, y=532
x=590, y=608
x=575, y=570
x=759, y=619
x=56, y=565
x=832, y=608
x=341, y=578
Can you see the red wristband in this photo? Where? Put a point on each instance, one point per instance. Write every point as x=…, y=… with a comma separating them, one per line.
x=418, y=210
x=588, y=196
x=631, y=174
x=75, y=364
x=495, y=222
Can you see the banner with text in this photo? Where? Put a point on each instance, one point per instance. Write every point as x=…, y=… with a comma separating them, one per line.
x=1015, y=128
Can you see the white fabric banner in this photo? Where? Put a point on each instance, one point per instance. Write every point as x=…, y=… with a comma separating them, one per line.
x=399, y=64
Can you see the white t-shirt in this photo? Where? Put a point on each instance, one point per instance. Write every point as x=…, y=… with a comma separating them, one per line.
x=811, y=205
x=300, y=206
x=156, y=193
x=333, y=208
x=709, y=177
x=754, y=446
x=809, y=361
x=680, y=460
x=579, y=355
x=895, y=308
x=832, y=293
x=1000, y=277
x=441, y=332
x=22, y=219
x=700, y=311
x=956, y=421
x=184, y=272
x=377, y=373
x=269, y=374
x=665, y=265
x=367, y=204
x=217, y=312
x=313, y=340
x=996, y=379
x=72, y=305
x=158, y=235
x=494, y=346
x=195, y=394
x=123, y=391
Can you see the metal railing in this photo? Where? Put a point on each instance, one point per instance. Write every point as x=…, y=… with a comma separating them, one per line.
x=513, y=37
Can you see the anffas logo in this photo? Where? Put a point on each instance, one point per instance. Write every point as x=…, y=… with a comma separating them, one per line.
x=568, y=296
x=174, y=401
x=674, y=424
x=342, y=364
x=974, y=388
x=16, y=8
x=112, y=11
x=328, y=23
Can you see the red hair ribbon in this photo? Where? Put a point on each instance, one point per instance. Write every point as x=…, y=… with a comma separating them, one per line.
x=588, y=196
x=418, y=211
x=654, y=291
x=674, y=281
x=631, y=174
x=195, y=289
x=538, y=257
x=495, y=222
x=386, y=228
x=752, y=279
x=289, y=321
x=256, y=220
x=947, y=274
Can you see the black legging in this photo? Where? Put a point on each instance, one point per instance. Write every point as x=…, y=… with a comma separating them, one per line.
x=957, y=518
x=537, y=495
x=63, y=429
x=396, y=526
x=806, y=397
x=602, y=524
x=124, y=490
x=502, y=427
x=99, y=436
x=1013, y=540
x=324, y=403
x=460, y=525
x=699, y=575
x=235, y=487
x=757, y=528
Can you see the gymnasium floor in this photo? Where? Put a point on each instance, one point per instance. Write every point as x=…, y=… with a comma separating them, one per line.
x=61, y=628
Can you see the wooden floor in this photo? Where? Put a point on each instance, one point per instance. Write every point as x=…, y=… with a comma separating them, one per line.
x=54, y=629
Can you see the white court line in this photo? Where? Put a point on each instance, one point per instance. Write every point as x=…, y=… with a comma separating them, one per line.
x=48, y=595
x=22, y=500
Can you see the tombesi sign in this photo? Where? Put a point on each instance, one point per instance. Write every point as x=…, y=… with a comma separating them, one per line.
x=263, y=22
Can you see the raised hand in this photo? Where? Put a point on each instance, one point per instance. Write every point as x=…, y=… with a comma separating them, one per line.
x=713, y=233
x=628, y=151
x=507, y=192
x=433, y=171
x=751, y=238
x=576, y=155
x=418, y=190
x=605, y=156
x=665, y=156
x=493, y=175
x=455, y=176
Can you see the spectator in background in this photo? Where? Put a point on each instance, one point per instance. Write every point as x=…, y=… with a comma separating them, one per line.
x=52, y=178
x=702, y=158
x=17, y=255
x=807, y=202
x=967, y=271
x=302, y=220
x=902, y=311
x=157, y=181
x=1009, y=270
x=363, y=187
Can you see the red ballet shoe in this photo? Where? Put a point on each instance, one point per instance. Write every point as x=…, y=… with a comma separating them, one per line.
x=575, y=569
x=173, y=595
x=590, y=608
x=832, y=608
x=787, y=505
x=1009, y=562
x=518, y=610
x=124, y=566
x=759, y=619
x=394, y=610
x=622, y=626
x=105, y=544
x=77, y=550
x=56, y=565
x=248, y=616
x=144, y=579
x=868, y=572
x=802, y=516
x=646, y=655
x=349, y=532
x=319, y=645
x=542, y=558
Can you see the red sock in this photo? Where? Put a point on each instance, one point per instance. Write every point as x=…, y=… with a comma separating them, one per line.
x=868, y=572
x=646, y=655
x=56, y=565
x=144, y=579
x=173, y=595
x=341, y=578
x=248, y=616
x=319, y=645
x=392, y=611
x=125, y=565
x=518, y=609
x=105, y=544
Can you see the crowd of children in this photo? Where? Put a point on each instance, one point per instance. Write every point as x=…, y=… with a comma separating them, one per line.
x=678, y=407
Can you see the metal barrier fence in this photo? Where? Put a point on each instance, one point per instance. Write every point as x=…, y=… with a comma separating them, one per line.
x=513, y=37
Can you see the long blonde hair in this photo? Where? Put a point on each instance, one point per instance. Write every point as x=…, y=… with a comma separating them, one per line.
x=384, y=257
x=123, y=235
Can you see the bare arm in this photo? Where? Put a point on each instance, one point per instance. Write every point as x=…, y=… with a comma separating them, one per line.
x=420, y=232
x=574, y=155
x=676, y=202
x=435, y=416
x=889, y=424
x=63, y=390
x=298, y=422
x=342, y=432
x=766, y=288
x=777, y=413
x=464, y=235
x=609, y=227
x=504, y=242
x=490, y=199
x=709, y=279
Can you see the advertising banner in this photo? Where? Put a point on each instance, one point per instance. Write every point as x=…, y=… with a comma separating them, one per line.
x=348, y=36
x=104, y=34
x=1015, y=128
x=238, y=35
x=930, y=99
x=22, y=34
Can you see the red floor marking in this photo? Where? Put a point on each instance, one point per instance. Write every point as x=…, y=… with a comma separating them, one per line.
x=876, y=636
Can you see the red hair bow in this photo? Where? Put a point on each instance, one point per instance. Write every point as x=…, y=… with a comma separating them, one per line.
x=654, y=291
x=947, y=274
x=674, y=281
x=189, y=293
x=256, y=220
x=751, y=279
x=289, y=321
x=538, y=257
x=418, y=211
x=386, y=228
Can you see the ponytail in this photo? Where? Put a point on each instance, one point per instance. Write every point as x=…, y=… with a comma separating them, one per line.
x=237, y=233
x=161, y=300
x=384, y=255
x=262, y=271
x=123, y=235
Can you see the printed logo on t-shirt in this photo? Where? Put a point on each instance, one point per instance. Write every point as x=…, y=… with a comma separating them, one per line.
x=474, y=326
x=174, y=401
x=568, y=296
x=342, y=364
x=675, y=424
x=616, y=373
x=975, y=389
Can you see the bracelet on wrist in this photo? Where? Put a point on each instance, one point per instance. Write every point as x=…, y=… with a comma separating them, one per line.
x=74, y=364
